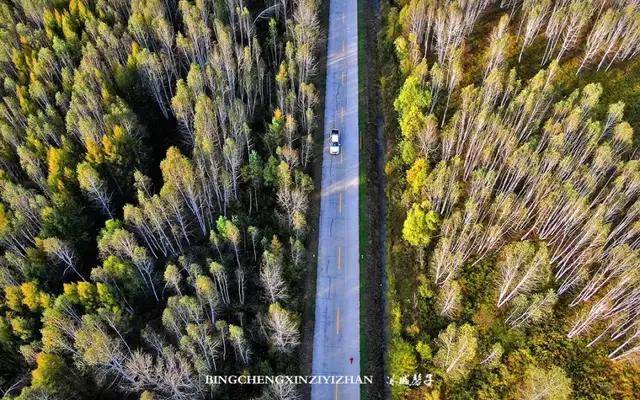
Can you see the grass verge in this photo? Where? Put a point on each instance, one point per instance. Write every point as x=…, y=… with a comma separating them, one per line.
x=371, y=205
x=362, y=180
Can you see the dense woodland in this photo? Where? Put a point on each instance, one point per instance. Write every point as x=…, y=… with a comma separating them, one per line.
x=154, y=194
x=514, y=195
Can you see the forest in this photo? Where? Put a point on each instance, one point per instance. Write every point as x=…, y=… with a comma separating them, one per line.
x=513, y=197
x=155, y=183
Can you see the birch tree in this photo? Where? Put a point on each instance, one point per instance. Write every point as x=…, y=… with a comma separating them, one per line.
x=237, y=338
x=521, y=267
x=283, y=327
x=63, y=253
x=457, y=350
x=91, y=182
x=545, y=384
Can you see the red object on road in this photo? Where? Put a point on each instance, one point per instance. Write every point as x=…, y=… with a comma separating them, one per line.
x=350, y=360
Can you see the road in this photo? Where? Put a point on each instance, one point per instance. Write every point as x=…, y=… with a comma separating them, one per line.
x=336, y=336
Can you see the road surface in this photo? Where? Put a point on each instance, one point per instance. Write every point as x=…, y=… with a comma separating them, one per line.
x=336, y=336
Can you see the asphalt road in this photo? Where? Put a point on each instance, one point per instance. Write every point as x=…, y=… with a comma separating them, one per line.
x=336, y=339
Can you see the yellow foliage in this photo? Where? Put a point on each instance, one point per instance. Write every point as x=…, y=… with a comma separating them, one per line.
x=55, y=159
x=58, y=167
x=70, y=289
x=5, y=221
x=110, y=148
x=146, y=395
x=52, y=338
x=281, y=77
x=58, y=16
x=105, y=296
x=135, y=48
x=48, y=371
x=30, y=295
x=23, y=100
x=21, y=327
x=204, y=285
x=86, y=292
x=48, y=17
x=298, y=221
x=412, y=330
x=31, y=59
x=104, y=93
x=67, y=28
x=207, y=145
x=389, y=168
x=45, y=300
x=47, y=212
x=432, y=395
x=417, y=175
x=83, y=11
x=13, y=296
x=94, y=152
x=118, y=133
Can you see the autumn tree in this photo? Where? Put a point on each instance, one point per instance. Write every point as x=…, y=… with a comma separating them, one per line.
x=551, y=383
x=457, y=351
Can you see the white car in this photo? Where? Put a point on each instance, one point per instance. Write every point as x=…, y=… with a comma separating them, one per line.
x=334, y=146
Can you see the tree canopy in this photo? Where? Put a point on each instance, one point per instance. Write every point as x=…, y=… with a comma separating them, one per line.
x=144, y=146
x=512, y=192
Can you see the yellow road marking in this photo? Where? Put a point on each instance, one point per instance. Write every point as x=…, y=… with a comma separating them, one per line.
x=340, y=202
x=344, y=77
x=338, y=321
x=339, y=257
x=342, y=113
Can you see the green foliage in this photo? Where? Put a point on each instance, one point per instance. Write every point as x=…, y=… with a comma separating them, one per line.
x=412, y=97
x=22, y=327
x=50, y=373
x=420, y=225
x=121, y=169
x=402, y=362
x=424, y=350
x=271, y=171
x=512, y=284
